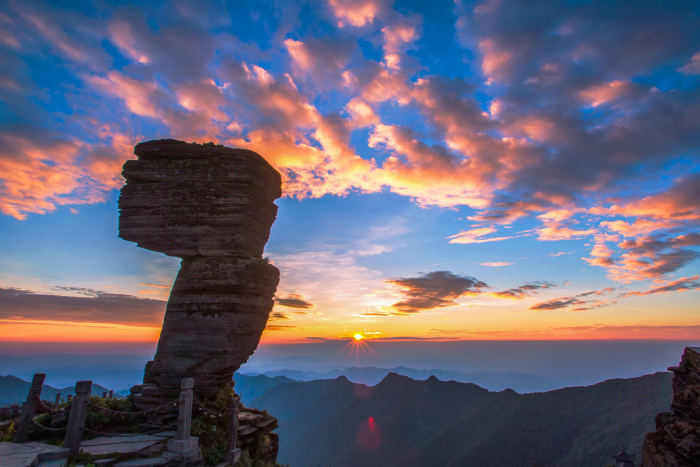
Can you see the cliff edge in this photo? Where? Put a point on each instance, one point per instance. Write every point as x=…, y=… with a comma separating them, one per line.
x=676, y=441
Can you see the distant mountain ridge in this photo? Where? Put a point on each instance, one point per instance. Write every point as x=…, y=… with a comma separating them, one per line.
x=370, y=376
x=14, y=390
x=249, y=387
x=402, y=422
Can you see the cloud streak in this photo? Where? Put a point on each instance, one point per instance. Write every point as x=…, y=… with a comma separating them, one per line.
x=91, y=306
x=433, y=290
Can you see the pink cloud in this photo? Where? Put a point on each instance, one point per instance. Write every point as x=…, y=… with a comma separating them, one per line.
x=322, y=60
x=136, y=94
x=204, y=97
x=560, y=231
x=123, y=37
x=638, y=227
x=495, y=60
x=604, y=93
x=476, y=236
x=692, y=67
x=356, y=12
x=398, y=37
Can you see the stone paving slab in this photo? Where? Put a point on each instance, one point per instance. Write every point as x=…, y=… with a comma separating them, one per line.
x=29, y=454
x=105, y=461
x=151, y=462
x=118, y=446
x=121, y=440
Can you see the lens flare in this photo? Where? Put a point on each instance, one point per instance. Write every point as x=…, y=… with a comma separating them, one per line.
x=358, y=337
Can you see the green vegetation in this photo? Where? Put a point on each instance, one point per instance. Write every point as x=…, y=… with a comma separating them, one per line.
x=211, y=431
x=7, y=432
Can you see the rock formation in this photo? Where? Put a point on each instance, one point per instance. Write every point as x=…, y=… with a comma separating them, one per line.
x=676, y=441
x=255, y=434
x=213, y=207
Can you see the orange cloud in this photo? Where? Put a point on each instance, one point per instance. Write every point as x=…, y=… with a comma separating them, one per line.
x=680, y=202
x=645, y=258
x=679, y=285
x=37, y=174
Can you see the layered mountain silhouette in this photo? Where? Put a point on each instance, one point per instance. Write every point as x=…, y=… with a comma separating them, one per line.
x=404, y=422
x=14, y=390
x=520, y=382
x=250, y=387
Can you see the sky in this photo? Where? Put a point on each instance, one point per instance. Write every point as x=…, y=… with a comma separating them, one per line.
x=490, y=170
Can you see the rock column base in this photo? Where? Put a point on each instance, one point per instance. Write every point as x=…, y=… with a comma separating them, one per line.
x=182, y=446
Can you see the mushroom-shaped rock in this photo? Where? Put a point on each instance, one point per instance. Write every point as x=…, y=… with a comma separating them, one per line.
x=213, y=207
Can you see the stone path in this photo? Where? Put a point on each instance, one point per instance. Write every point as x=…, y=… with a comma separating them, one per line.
x=30, y=454
x=43, y=455
x=122, y=444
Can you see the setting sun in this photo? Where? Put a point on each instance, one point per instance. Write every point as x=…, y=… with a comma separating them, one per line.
x=358, y=337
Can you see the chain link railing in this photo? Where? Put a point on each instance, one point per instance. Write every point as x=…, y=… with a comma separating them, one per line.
x=42, y=427
x=80, y=404
x=206, y=411
x=48, y=409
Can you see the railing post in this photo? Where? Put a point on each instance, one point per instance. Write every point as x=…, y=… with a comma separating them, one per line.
x=111, y=393
x=233, y=454
x=28, y=408
x=76, y=421
x=184, y=442
x=58, y=401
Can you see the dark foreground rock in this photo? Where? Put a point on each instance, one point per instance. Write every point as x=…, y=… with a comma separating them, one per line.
x=676, y=441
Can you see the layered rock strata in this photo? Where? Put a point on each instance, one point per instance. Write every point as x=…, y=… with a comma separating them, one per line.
x=676, y=441
x=255, y=434
x=213, y=207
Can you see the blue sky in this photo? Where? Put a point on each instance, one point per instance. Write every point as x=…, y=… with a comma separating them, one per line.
x=469, y=170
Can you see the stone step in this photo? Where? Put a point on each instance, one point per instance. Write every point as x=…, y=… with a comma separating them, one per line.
x=29, y=454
